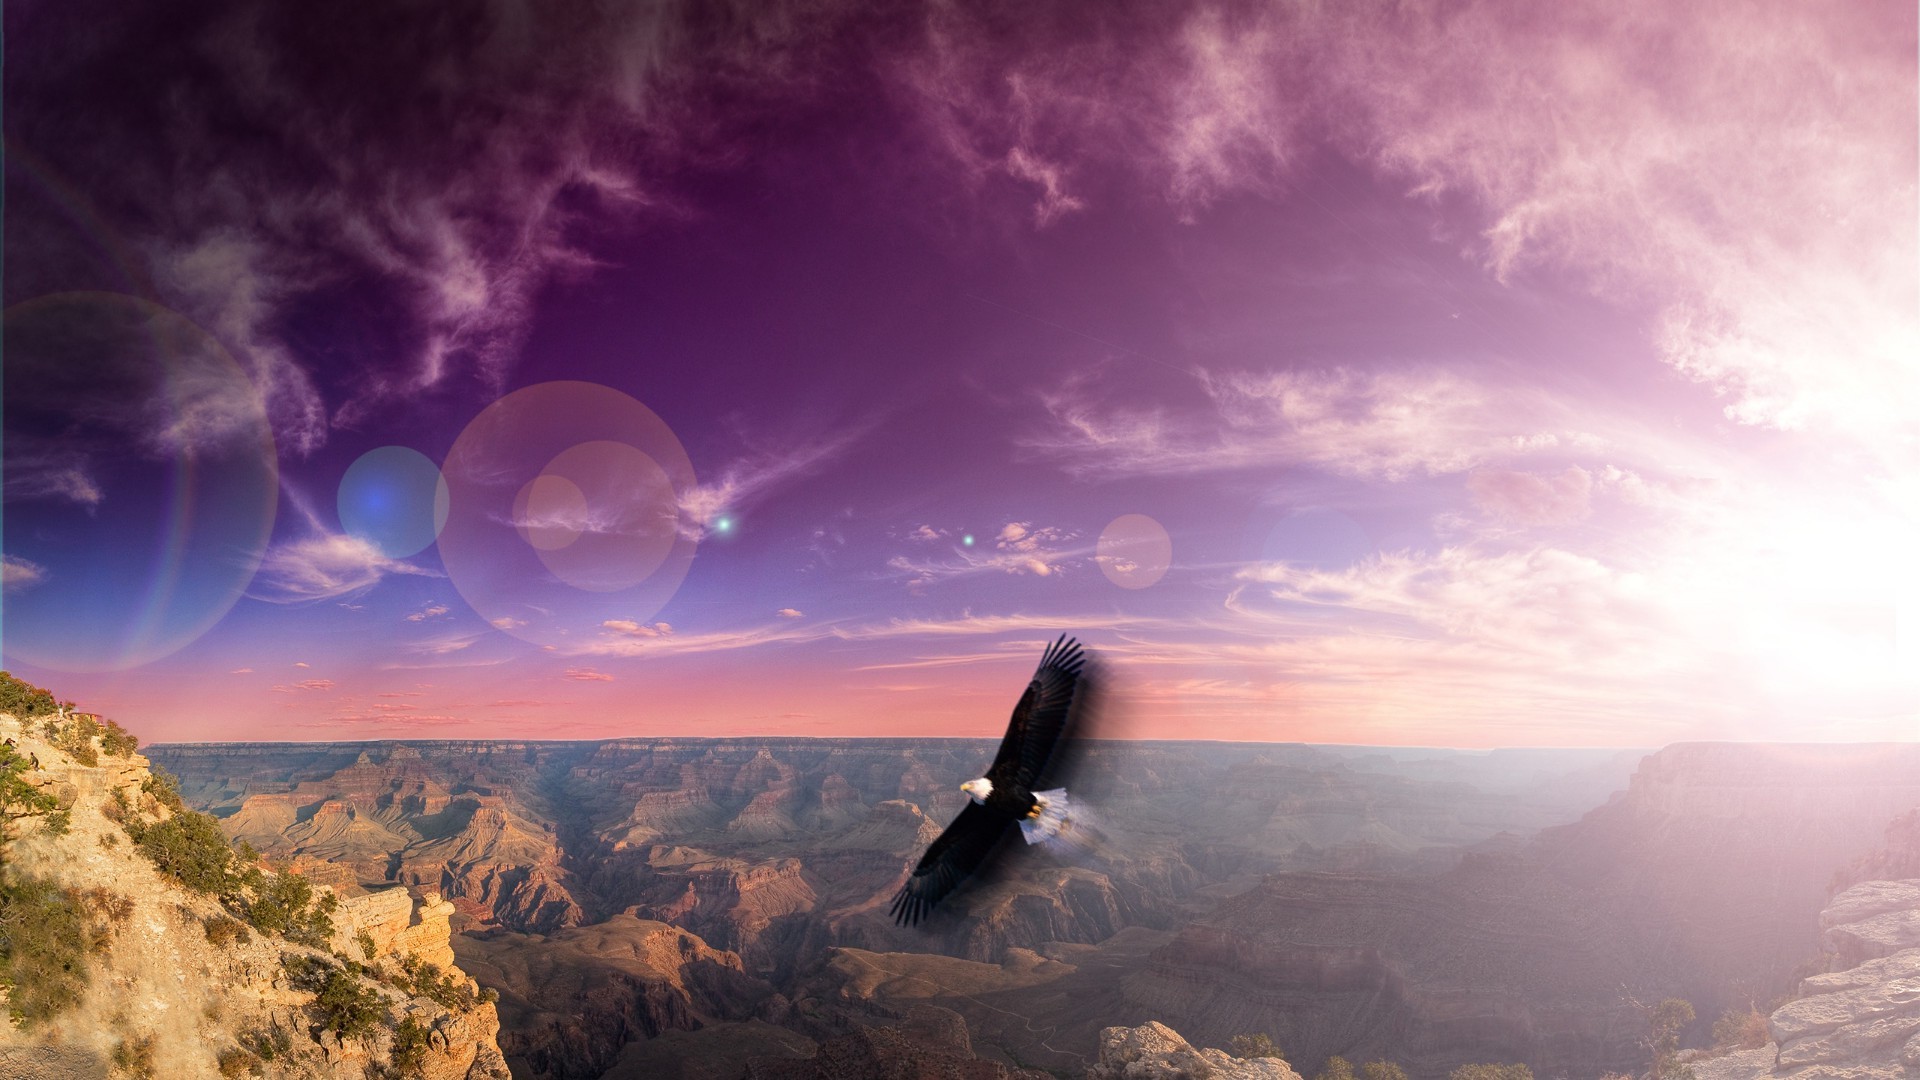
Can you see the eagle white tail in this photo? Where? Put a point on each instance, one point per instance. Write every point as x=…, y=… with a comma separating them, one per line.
x=1053, y=816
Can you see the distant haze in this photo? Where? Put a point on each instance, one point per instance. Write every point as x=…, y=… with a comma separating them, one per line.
x=1465, y=374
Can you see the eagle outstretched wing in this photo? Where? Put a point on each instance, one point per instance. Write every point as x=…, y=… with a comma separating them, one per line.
x=951, y=857
x=1040, y=717
x=1038, y=722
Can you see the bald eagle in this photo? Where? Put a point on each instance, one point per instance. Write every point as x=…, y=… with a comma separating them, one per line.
x=1005, y=795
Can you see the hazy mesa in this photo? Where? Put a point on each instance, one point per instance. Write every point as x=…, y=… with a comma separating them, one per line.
x=645, y=902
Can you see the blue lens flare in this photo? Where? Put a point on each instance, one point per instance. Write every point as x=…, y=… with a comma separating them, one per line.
x=395, y=499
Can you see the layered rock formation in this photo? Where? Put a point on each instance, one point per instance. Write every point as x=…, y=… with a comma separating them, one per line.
x=1354, y=927
x=164, y=992
x=1859, y=1023
x=1154, y=1051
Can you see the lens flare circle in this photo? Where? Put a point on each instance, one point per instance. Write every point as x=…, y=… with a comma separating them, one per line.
x=602, y=516
x=395, y=499
x=550, y=512
x=142, y=481
x=564, y=515
x=1134, y=551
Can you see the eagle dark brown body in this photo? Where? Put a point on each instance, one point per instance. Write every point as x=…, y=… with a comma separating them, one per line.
x=1008, y=794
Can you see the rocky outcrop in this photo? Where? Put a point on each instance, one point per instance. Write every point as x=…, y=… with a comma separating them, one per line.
x=1154, y=1051
x=163, y=986
x=779, y=850
x=397, y=924
x=571, y=1002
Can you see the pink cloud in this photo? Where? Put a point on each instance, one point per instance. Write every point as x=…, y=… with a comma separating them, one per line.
x=587, y=675
x=1533, y=498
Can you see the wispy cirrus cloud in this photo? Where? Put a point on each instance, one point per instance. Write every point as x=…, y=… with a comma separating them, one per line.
x=65, y=475
x=1530, y=498
x=1019, y=548
x=749, y=480
x=586, y=675
x=324, y=566
x=1387, y=425
x=17, y=573
x=431, y=611
x=1676, y=188
x=305, y=684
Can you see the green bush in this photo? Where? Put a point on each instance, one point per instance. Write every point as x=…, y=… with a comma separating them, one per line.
x=423, y=978
x=19, y=799
x=223, y=931
x=366, y=943
x=135, y=1057
x=1249, y=1046
x=283, y=903
x=1663, y=1034
x=409, y=1054
x=76, y=738
x=44, y=941
x=237, y=1061
x=165, y=791
x=1382, y=1070
x=342, y=1003
x=1740, y=1029
x=346, y=1006
x=117, y=741
x=1336, y=1068
x=190, y=848
x=267, y=1045
x=23, y=699
x=1491, y=1072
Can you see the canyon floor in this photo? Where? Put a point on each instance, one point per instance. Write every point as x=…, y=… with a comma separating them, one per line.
x=711, y=908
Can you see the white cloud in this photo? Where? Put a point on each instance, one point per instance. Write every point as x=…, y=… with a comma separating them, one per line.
x=789, y=613
x=1533, y=498
x=431, y=611
x=746, y=482
x=1018, y=548
x=324, y=566
x=17, y=573
x=1387, y=425
x=629, y=628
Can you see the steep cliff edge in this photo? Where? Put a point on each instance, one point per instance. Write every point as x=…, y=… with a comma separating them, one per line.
x=1861, y=1023
x=131, y=944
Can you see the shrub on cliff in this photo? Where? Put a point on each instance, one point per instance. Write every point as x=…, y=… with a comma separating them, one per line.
x=188, y=847
x=19, y=799
x=342, y=1003
x=45, y=937
x=423, y=978
x=1336, y=1068
x=283, y=903
x=1249, y=1046
x=1740, y=1029
x=408, y=1057
x=1663, y=1036
x=1491, y=1072
x=1382, y=1070
x=23, y=699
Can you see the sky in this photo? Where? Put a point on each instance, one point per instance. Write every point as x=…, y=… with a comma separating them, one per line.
x=1455, y=374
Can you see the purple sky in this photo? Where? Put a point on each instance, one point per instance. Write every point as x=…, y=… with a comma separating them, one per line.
x=1478, y=374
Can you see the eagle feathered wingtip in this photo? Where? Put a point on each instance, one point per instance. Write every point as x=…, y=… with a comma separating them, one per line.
x=1065, y=653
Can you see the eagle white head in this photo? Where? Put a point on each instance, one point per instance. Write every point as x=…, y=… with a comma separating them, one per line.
x=978, y=789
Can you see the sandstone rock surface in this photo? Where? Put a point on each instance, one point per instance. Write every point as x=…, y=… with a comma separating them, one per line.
x=1154, y=1051
x=159, y=979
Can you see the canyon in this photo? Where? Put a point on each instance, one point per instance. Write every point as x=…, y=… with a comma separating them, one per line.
x=648, y=901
